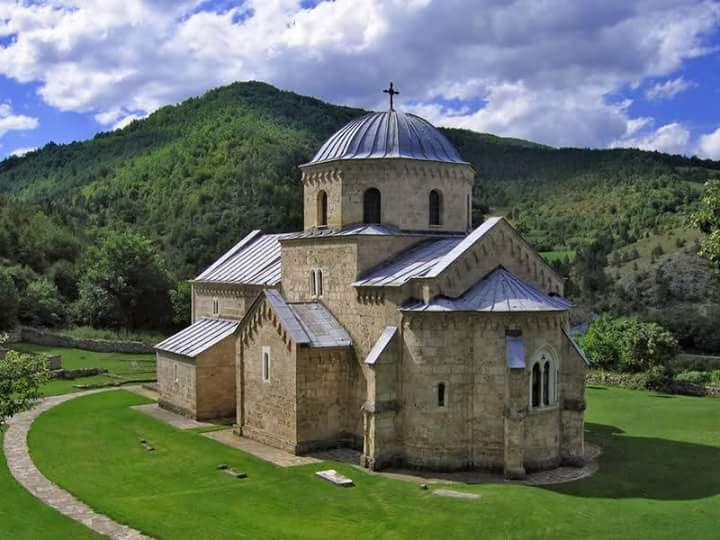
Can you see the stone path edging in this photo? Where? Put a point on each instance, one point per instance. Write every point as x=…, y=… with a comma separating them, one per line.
x=17, y=454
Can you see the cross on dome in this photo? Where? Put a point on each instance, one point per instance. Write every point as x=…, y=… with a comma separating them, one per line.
x=392, y=92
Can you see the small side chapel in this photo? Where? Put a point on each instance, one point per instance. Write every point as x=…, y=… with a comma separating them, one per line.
x=388, y=324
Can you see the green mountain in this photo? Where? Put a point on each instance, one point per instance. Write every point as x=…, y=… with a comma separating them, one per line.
x=197, y=176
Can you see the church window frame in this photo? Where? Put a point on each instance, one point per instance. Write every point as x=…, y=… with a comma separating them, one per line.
x=265, y=364
x=322, y=208
x=320, y=285
x=215, y=306
x=544, y=381
x=435, y=208
x=469, y=212
x=313, y=283
x=176, y=374
x=372, y=206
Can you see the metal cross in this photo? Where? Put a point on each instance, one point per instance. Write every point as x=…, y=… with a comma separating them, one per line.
x=392, y=93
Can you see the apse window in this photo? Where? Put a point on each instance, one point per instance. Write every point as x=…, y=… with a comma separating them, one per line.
x=372, y=203
x=435, y=204
x=265, y=359
x=215, y=306
x=441, y=395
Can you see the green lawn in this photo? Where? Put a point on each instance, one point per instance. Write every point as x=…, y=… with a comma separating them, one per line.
x=124, y=367
x=659, y=478
x=22, y=516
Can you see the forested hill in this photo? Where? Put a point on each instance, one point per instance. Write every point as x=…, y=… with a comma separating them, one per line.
x=197, y=176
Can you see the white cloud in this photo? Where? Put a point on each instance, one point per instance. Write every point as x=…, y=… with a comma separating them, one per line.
x=709, y=145
x=20, y=152
x=126, y=121
x=669, y=89
x=14, y=122
x=542, y=70
x=672, y=138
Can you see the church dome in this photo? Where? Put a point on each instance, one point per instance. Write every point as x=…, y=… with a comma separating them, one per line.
x=389, y=134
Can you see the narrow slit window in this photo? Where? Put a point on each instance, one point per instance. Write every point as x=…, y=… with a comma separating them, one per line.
x=313, y=283
x=435, y=204
x=441, y=397
x=372, y=203
x=319, y=283
x=215, y=306
x=322, y=209
x=546, y=384
x=266, y=364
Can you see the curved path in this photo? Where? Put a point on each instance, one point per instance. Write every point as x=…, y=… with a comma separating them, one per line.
x=24, y=470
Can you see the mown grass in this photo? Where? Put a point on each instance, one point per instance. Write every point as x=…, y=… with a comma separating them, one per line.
x=659, y=478
x=23, y=517
x=88, y=332
x=121, y=367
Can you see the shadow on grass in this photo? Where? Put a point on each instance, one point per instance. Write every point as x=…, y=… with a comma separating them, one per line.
x=647, y=467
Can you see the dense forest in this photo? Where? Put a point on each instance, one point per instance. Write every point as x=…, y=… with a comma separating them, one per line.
x=193, y=178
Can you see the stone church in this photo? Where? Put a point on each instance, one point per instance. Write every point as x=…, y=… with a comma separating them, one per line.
x=388, y=324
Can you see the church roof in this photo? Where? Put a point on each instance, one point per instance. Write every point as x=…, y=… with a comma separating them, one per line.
x=198, y=337
x=425, y=260
x=364, y=229
x=255, y=260
x=389, y=134
x=499, y=291
x=308, y=323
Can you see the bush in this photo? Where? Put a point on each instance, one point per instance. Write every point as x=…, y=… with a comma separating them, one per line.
x=697, y=377
x=619, y=343
x=41, y=305
x=714, y=377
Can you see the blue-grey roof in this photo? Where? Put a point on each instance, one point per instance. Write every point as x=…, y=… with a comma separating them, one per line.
x=499, y=291
x=389, y=134
x=577, y=348
x=363, y=229
x=308, y=323
x=425, y=260
x=381, y=344
x=515, y=351
x=255, y=260
x=198, y=337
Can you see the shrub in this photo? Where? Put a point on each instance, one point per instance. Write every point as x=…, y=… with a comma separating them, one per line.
x=623, y=344
x=714, y=377
x=697, y=377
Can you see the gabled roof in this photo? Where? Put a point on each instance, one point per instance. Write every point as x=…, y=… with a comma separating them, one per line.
x=255, y=260
x=308, y=323
x=499, y=291
x=426, y=260
x=577, y=348
x=198, y=337
x=381, y=344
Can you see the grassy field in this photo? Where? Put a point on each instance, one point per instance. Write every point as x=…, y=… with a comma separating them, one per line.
x=23, y=517
x=659, y=477
x=121, y=367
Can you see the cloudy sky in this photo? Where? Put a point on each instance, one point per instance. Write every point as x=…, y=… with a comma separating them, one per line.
x=642, y=73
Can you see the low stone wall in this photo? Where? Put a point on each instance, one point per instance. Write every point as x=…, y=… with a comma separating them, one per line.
x=634, y=381
x=43, y=337
x=71, y=374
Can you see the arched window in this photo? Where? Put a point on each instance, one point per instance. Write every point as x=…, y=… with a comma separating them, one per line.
x=319, y=283
x=215, y=306
x=441, y=398
x=546, y=383
x=322, y=209
x=535, y=387
x=435, y=205
x=371, y=206
x=313, y=283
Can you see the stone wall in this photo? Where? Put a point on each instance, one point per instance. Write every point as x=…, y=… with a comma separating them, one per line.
x=267, y=409
x=326, y=414
x=215, y=381
x=177, y=385
x=404, y=185
x=43, y=337
x=233, y=300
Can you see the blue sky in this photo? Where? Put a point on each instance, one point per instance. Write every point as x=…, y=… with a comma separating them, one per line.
x=642, y=74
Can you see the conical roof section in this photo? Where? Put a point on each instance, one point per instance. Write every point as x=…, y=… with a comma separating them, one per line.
x=389, y=134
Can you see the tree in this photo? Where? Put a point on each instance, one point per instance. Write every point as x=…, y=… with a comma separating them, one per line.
x=126, y=285
x=181, y=299
x=707, y=219
x=21, y=376
x=600, y=342
x=41, y=305
x=8, y=300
